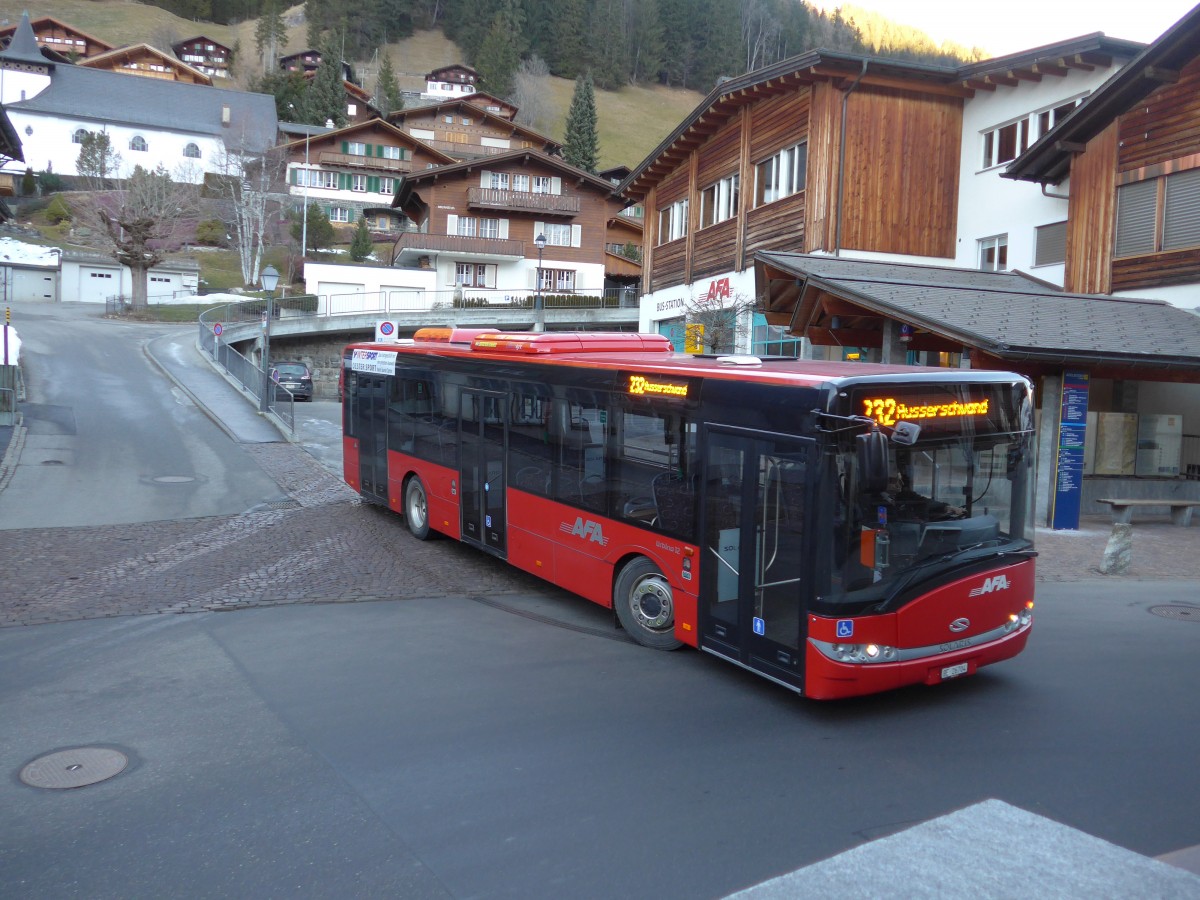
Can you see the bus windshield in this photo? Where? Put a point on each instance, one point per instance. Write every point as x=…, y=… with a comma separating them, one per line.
x=954, y=497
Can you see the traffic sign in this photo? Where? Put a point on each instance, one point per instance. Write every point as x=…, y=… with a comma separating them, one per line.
x=217, y=329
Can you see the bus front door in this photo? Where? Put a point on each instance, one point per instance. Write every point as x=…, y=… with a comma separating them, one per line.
x=482, y=425
x=369, y=412
x=756, y=491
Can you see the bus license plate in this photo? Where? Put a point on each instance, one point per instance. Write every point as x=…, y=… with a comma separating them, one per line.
x=954, y=671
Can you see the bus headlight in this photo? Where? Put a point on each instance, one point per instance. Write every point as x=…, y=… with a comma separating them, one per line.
x=859, y=653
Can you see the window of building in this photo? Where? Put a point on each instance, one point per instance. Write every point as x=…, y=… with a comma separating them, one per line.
x=392, y=152
x=477, y=275
x=467, y=121
x=358, y=183
x=719, y=201
x=1006, y=142
x=339, y=214
x=520, y=183
x=319, y=179
x=191, y=151
x=1050, y=244
x=138, y=143
x=782, y=175
x=558, y=279
x=557, y=235
x=468, y=226
x=79, y=135
x=449, y=120
x=672, y=221
x=500, y=181
x=489, y=228
x=352, y=109
x=356, y=148
x=993, y=253
x=387, y=185
x=1150, y=223
x=542, y=184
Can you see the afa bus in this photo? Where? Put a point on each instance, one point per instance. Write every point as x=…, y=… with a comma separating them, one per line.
x=839, y=528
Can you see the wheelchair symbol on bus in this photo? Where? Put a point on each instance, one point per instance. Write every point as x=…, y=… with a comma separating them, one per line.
x=845, y=628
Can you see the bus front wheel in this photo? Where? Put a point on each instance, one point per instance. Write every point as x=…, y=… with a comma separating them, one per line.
x=416, y=509
x=645, y=607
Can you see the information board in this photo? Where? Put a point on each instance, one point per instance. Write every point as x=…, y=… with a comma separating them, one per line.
x=1068, y=474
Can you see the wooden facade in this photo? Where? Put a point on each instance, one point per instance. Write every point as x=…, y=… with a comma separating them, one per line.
x=1091, y=216
x=466, y=131
x=899, y=194
x=67, y=41
x=147, y=62
x=205, y=54
x=436, y=199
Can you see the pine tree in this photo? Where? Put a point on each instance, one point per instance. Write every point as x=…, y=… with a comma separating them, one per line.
x=319, y=232
x=326, y=96
x=388, y=98
x=361, y=246
x=499, y=55
x=582, y=146
x=270, y=34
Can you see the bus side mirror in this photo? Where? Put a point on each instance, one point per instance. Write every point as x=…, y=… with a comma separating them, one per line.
x=906, y=433
x=872, y=450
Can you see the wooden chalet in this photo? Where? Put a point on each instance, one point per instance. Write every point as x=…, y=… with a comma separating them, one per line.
x=465, y=131
x=490, y=210
x=492, y=104
x=205, y=54
x=66, y=41
x=147, y=62
x=1132, y=154
x=451, y=81
x=824, y=152
x=357, y=169
x=308, y=61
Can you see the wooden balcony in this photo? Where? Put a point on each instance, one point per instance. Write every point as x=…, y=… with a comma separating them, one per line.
x=327, y=158
x=416, y=242
x=524, y=201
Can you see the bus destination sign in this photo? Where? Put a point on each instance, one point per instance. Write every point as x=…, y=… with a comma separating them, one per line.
x=374, y=362
x=645, y=386
x=888, y=410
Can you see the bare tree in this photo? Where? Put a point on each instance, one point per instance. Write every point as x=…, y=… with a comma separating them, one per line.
x=248, y=182
x=144, y=217
x=530, y=91
x=727, y=318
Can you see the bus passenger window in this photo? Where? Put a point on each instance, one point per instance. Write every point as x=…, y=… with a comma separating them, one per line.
x=530, y=456
x=582, y=477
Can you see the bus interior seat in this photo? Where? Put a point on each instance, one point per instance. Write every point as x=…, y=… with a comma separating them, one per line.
x=675, y=500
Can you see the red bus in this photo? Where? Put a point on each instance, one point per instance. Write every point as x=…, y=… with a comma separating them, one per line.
x=839, y=528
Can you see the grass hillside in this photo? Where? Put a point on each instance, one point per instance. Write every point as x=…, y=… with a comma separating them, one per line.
x=631, y=121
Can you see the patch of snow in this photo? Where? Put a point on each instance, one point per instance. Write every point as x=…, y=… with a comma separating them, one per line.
x=16, y=251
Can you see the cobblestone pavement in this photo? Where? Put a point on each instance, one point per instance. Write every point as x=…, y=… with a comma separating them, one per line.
x=324, y=545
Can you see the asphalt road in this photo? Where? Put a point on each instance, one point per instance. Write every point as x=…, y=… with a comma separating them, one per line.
x=448, y=747
x=372, y=715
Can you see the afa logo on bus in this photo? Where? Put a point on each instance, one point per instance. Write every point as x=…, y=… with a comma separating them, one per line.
x=589, y=530
x=995, y=583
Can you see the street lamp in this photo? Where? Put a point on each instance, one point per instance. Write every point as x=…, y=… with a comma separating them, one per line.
x=539, y=310
x=270, y=278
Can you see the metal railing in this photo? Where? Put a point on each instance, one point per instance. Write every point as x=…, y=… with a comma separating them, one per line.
x=246, y=373
x=389, y=303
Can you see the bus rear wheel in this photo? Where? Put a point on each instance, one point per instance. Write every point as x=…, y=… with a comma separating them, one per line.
x=645, y=606
x=416, y=509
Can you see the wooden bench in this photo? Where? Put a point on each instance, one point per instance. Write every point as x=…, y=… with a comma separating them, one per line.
x=1181, y=510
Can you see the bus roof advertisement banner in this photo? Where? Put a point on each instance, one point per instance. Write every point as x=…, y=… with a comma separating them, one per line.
x=373, y=362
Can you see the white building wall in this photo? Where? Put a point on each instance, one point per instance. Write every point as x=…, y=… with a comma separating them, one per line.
x=989, y=205
x=671, y=303
x=17, y=85
x=51, y=146
x=1185, y=296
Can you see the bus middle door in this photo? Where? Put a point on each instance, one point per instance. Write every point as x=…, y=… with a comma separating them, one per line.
x=756, y=490
x=483, y=428
x=368, y=407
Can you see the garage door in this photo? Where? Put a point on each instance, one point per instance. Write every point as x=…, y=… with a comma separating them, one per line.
x=97, y=285
x=341, y=297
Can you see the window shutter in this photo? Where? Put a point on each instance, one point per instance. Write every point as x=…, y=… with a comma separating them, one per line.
x=1136, y=204
x=556, y=185
x=504, y=229
x=576, y=235
x=451, y=224
x=346, y=147
x=373, y=184
x=1051, y=244
x=1181, y=222
x=378, y=151
x=533, y=273
x=538, y=228
x=295, y=176
x=485, y=179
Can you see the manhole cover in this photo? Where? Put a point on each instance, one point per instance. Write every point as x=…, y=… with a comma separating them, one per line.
x=174, y=479
x=74, y=768
x=52, y=462
x=1186, y=613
